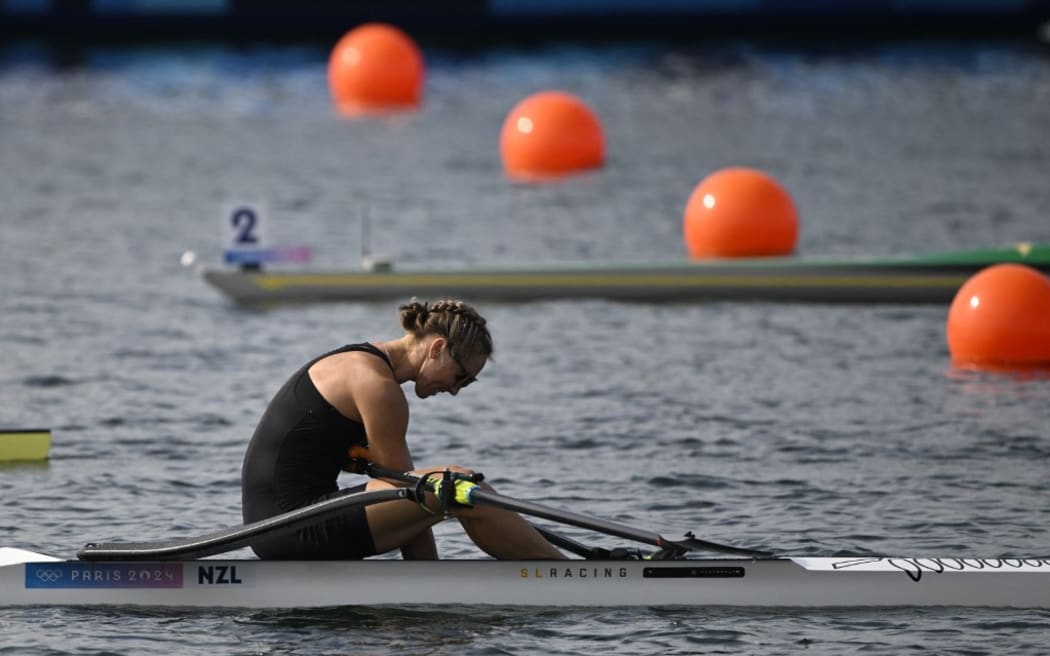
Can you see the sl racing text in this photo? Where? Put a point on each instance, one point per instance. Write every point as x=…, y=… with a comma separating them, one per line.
x=574, y=573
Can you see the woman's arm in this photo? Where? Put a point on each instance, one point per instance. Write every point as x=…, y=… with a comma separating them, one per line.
x=384, y=412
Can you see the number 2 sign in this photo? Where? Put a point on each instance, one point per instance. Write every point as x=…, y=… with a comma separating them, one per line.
x=243, y=225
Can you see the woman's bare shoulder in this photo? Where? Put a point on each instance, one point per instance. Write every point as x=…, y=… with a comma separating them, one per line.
x=354, y=380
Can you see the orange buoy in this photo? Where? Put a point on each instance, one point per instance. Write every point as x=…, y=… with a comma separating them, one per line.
x=739, y=212
x=551, y=134
x=375, y=67
x=1001, y=316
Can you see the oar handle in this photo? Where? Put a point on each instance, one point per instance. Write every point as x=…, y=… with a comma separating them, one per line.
x=451, y=488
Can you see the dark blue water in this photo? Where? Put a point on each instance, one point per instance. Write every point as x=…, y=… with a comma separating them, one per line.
x=799, y=429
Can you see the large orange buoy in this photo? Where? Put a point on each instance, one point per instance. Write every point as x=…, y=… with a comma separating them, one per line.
x=739, y=212
x=375, y=67
x=1001, y=316
x=551, y=134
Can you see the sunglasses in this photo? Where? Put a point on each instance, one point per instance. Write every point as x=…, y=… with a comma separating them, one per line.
x=464, y=377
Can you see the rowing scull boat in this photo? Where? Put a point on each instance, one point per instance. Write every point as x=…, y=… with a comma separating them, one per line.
x=180, y=574
x=35, y=579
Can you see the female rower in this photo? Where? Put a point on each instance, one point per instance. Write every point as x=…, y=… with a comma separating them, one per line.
x=352, y=397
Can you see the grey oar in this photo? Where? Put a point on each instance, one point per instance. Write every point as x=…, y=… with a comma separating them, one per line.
x=688, y=543
x=239, y=536
x=477, y=495
x=230, y=539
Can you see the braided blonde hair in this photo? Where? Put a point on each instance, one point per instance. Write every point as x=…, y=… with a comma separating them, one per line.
x=454, y=320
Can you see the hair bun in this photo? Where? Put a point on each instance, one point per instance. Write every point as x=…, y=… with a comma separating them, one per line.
x=413, y=316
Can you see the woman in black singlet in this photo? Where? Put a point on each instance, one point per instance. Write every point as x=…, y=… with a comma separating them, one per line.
x=352, y=396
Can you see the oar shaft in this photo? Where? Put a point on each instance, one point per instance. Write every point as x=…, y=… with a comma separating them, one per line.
x=239, y=536
x=532, y=509
x=606, y=526
x=485, y=497
x=616, y=529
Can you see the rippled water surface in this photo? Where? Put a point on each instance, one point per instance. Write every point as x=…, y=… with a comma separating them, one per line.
x=799, y=429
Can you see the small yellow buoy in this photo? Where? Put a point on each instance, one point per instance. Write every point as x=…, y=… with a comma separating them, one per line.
x=24, y=444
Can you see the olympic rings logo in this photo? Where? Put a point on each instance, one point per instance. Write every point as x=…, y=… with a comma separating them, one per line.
x=49, y=575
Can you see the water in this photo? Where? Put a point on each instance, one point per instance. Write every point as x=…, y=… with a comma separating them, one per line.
x=800, y=429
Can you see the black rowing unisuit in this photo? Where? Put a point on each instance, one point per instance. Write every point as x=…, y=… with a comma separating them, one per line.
x=293, y=460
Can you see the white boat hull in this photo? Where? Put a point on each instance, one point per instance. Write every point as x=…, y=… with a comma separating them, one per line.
x=801, y=582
